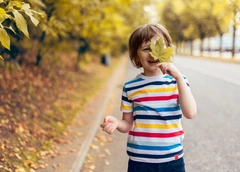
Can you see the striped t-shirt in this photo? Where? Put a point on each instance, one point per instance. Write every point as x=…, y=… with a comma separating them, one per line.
x=157, y=133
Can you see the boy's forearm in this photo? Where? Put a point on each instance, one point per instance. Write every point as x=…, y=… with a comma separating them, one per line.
x=186, y=99
x=124, y=126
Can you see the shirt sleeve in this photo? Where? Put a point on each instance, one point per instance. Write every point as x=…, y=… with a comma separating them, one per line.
x=126, y=104
x=186, y=80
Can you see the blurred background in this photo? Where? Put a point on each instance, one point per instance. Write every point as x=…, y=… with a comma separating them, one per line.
x=52, y=49
x=209, y=28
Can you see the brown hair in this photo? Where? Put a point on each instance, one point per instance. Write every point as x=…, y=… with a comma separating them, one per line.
x=143, y=34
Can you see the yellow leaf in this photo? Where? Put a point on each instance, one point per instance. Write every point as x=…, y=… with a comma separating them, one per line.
x=20, y=129
x=160, y=52
x=18, y=156
x=79, y=134
x=1, y=58
x=2, y=14
x=26, y=7
x=15, y=3
x=27, y=163
x=21, y=23
x=20, y=169
x=107, y=151
x=3, y=147
x=4, y=38
x=42, y=15
x=34, y=20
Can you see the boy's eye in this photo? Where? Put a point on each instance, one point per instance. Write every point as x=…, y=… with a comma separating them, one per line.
x=146, y=49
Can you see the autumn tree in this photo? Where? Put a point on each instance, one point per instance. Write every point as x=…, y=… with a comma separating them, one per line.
x=220, y=18
x=172, y=16
x=13, y=23
x=235, y=9
x=98, y=26
x=101, y=27
x=188, y=20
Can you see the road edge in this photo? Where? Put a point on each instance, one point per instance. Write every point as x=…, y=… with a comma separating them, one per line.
x=111, y=84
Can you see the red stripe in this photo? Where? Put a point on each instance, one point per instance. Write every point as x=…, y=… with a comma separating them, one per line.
x=157, y=98
x=156, y=135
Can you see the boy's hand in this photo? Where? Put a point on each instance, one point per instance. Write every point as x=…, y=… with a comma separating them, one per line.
x=169, y=68
x=109, y=124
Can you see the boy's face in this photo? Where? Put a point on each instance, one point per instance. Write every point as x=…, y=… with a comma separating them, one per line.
x=147, y=61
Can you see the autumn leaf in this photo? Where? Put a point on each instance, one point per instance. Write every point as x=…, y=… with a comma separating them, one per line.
x=4, y=38
x=26, y=7
x=160, y=52
x=21, y=22
x=3, y=14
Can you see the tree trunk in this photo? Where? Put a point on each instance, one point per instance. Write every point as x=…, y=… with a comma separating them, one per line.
x=220, y=45
x=39, y=56
x=201, y=47
x=209, y=46
x=233, y=39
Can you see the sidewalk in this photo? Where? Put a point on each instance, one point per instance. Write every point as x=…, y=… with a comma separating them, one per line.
x=108, y=152
x=75, y=142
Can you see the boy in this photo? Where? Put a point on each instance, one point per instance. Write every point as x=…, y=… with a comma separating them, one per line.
x=152, y=105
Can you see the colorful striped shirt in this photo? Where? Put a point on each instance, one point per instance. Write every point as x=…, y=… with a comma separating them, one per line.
x=157, y=133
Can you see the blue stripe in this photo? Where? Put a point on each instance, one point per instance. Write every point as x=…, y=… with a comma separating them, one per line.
x=168, y=76
x=155, y=156
x=134, y=80
x=150, y=83
x=157, y=148
x=152, y=117
x=126, y=99
x=163, y=109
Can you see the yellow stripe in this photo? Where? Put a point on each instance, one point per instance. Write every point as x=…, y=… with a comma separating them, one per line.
x=152, y=90
x=125, y=107
x=158, y=126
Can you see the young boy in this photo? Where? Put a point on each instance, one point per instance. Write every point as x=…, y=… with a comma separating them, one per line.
x=152, y=105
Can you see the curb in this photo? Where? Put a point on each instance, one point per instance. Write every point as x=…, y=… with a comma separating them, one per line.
x=107, y=88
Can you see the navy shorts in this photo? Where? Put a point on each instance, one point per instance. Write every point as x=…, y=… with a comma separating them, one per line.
x=173, y=166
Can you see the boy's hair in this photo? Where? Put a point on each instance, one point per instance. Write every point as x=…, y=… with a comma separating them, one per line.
x=143, y=34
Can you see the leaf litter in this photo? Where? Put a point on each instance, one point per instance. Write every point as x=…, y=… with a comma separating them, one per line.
x=35, y=108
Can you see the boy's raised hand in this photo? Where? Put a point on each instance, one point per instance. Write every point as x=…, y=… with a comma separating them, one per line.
x=169, y=68
x=109, y=124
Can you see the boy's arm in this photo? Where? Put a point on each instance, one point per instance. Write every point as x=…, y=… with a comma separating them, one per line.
x=186, y=99
x=125, y=125
x=110, y=123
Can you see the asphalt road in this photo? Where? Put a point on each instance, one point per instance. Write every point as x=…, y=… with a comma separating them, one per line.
x=212, y=138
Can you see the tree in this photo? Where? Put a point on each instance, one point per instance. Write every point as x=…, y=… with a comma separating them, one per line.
x=71, y=26
x=235, y=8
x=220, y=18
x=13, y=18
x=191, y=19
x=176, y=21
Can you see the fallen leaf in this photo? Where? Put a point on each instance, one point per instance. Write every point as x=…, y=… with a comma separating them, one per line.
x=95, y=147
x=107, y=151
x=107, y=162
x=73, y=150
